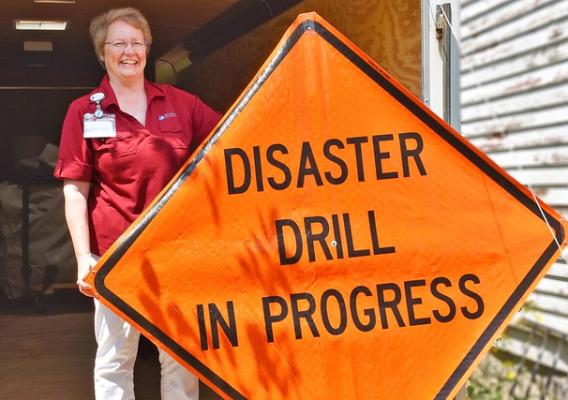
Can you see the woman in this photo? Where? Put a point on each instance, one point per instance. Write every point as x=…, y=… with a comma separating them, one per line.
x=120, y=145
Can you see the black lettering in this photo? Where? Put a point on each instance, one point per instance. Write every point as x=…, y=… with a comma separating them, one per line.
x=312, y=237
x=406, y=153
x=341, y=308
x=411, y=301
x=280, y=165
x=382, y=155
x=258, y=168
x=392, y=304
x=336, y=160
x=294, y=258
x=377, y=249
x=230, y=329
x=476, y=297
x=356, y=142
x=306, y=314
x=368, y=312
x=270, y=319
x=351, y=250
x=446, y=299
x=308, y=166
x=337, y=236
x=202, y=327
x=232, y=188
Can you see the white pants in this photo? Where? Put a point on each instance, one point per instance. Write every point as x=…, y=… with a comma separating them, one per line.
x=114, y=363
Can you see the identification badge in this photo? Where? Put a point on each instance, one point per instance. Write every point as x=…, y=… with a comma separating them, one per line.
x=102, y=127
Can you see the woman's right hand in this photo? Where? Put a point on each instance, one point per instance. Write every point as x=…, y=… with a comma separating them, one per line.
x=85, y=262
x=76, y=194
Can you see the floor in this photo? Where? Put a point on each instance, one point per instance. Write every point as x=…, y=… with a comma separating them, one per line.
x=47, y=352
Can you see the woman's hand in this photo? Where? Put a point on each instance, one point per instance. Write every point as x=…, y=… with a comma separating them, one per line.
x=84, y=264
x=76, y=194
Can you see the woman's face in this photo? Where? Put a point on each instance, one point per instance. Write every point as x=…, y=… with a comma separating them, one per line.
x=124, y=52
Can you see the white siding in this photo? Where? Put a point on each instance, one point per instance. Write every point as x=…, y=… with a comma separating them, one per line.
x=514, y=99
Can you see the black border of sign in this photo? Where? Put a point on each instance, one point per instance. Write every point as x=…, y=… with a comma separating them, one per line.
x=411, y=105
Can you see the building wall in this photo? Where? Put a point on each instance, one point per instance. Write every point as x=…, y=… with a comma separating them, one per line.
x=388, y=31
x=514, y=99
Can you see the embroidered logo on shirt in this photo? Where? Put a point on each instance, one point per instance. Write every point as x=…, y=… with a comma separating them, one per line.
x=167, y=115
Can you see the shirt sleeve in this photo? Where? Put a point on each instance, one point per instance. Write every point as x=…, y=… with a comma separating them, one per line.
x=204, y=120
x=75, y=160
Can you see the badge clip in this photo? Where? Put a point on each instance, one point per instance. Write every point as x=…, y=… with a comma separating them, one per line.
x=97, y=98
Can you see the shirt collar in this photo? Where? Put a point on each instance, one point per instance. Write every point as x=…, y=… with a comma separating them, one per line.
x=152, y=90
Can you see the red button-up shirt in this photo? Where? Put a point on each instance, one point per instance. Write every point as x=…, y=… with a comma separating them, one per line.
x=126, y=172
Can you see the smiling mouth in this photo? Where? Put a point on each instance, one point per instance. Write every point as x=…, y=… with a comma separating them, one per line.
x=129, y=62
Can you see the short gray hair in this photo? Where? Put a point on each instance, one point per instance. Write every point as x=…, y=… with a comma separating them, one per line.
x=100, y=24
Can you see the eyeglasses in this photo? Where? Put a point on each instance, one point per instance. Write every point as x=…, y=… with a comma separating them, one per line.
x=119, y=45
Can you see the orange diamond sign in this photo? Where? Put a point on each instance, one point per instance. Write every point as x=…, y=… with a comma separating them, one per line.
x=333, y=239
